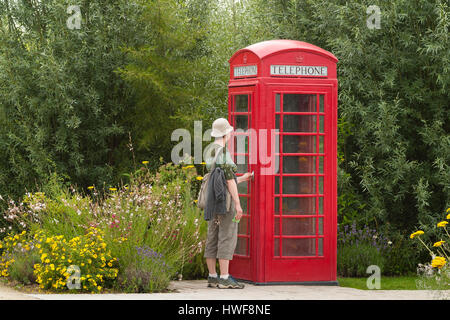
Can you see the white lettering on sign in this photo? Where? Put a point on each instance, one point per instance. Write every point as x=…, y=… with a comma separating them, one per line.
x=245, y=71
x=314, y=71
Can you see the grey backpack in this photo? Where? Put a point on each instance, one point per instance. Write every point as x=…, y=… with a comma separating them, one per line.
x=202, y=195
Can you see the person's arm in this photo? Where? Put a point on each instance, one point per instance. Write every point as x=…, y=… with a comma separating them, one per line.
x=232, y=188
x=245, y=177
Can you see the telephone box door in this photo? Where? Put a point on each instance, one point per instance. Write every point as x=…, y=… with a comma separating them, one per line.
x=300, y=226
x=241, y=102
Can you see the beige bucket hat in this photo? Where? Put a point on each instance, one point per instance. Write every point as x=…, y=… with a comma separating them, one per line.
x=220, y=128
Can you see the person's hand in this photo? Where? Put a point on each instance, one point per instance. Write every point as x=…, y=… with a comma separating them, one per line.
x=247, y=176
x=239, y=212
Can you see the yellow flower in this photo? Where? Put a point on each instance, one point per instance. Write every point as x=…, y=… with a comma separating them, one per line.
x=438, y=262
x=199, y=178
x=203, y=163
x=438, y=244
x=145, y=162
x=448, y=217
x=442, y=224
x=417, y=233
x=91, y=187
x=113, y=189
x=189, y=166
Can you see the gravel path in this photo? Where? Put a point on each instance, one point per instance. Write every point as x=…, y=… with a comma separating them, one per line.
x=197, y=290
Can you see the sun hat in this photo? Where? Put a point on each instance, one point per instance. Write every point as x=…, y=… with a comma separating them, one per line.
x=220, y=128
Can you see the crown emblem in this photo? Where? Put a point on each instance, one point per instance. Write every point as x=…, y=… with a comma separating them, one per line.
x=299, y=58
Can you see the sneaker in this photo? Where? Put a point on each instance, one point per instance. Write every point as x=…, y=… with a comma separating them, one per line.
x=213, y=281
x=229, y=283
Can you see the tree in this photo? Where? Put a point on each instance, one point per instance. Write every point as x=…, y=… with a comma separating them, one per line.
x=393, y=99
x=61, y=101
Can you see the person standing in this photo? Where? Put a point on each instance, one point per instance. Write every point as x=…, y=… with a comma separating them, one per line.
x=222, y=224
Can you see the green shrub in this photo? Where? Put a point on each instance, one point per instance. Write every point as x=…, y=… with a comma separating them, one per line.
x=358, y=248
x=155, y=212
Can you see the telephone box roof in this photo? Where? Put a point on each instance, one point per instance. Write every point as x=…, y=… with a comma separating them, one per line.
x=266, y=48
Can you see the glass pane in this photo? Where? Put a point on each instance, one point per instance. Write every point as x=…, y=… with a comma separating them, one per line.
x=320, y=246
x=241, y=246
x=244, y=201
x=299, y=144
x=299, y=103
x=242, y=163
x=298, y=226
x=243, y=187
x=277, y=205
x=242, y=226
x=299, y=164
x=299, y=123
x=321, y=141
x=320, y=226
x=241, y=143
x=321, y=103
x=299, y=185
x=242, y=122
x=320, y=164
x=277, y=185
x=320, y=185
x=277, y=102
x=299, y=247
x=299, y=206
x=276, y=247
x=321, y=124
x=320, y=205
x=276, y=226
x=277, y=121
x=241, y=103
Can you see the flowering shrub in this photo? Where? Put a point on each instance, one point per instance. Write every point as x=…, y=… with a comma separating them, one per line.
x=9, y=246
x=155, y=212
x=147, y=272
x=436, y=274
x=87, y=252
x=360, y=248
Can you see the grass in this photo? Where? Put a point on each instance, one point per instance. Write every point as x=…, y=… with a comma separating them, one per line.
x=386, y=283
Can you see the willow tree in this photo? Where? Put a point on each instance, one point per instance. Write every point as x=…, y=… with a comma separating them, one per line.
x=393, y=74
x=61, y=101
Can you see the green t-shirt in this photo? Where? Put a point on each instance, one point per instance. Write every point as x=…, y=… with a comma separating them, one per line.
x=229, y=167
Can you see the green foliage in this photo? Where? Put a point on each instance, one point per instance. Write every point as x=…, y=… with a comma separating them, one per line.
x=61, y=102
x=359, y=248
x=393, y=94
x=151, y=227
x=168, y=74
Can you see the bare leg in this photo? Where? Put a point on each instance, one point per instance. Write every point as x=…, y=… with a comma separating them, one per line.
x=211, y=263
x=223, y=264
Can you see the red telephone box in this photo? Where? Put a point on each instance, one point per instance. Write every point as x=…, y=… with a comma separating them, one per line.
x=283, y=103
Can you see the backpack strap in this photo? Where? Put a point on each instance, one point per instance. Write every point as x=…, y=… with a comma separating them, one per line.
x=213, y=166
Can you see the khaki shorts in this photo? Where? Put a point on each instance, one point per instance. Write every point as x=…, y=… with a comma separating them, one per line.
x=221, y=239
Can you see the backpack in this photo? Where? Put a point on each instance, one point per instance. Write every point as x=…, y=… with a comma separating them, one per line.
x=202, y=195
